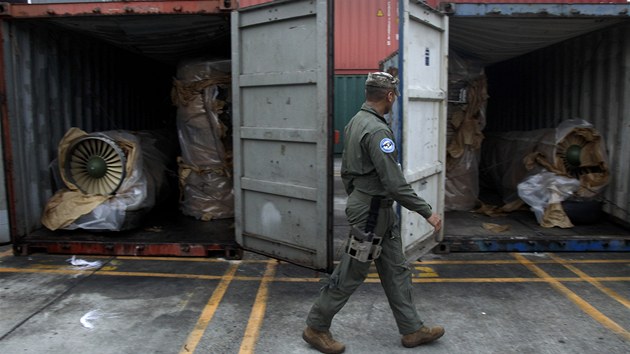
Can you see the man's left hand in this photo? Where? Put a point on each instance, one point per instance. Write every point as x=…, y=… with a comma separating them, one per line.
x=436, y=221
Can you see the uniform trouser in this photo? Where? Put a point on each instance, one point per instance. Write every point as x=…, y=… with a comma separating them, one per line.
x=392, y=267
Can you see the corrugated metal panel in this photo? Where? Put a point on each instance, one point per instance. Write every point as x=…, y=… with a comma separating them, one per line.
x=493, y=39
x=57, y=81
x=586, y=77
x=282, y=166
x=366, y=31
x=349, y=96
x=436, y=3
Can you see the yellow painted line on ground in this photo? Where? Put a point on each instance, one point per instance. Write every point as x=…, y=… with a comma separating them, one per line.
x=69, y=267
x=191, y=259
x=450, y=280
x=597, y=261
x=258, y=311
x=622, y=300
x=505, y=261
x=581, y=303
x=161, y=275
x=301, y=280
x=208, y=311
x=46, y=271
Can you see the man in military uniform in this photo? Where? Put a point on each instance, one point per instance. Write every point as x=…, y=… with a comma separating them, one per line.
x=370, y=169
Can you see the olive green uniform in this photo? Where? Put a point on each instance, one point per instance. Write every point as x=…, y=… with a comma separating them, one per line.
x=370, y=168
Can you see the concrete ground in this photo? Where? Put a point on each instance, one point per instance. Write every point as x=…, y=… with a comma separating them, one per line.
x=488, y=303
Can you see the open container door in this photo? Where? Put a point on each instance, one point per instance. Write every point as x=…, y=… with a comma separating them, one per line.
x=423, y=60
x=282, y=76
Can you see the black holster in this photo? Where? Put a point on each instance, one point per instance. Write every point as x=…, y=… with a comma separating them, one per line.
x=365, y=246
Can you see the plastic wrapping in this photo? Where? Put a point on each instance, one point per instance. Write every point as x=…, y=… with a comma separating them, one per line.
x=544, y=192
x=203, y=98
x=461, y=188
x=144, y=182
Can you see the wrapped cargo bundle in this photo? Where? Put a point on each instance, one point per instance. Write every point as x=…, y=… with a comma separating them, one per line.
x=201, y=93
x=466, y=119
x=567, y=163
x=111, y=179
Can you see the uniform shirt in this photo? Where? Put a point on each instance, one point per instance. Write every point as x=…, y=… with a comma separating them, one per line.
x=369, y=162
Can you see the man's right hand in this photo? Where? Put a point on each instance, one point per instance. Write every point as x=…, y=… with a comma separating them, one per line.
x=436, y=221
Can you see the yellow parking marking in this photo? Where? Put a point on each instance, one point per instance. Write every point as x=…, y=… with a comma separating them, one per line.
x=189, y=259
x=258, y=311
x=70, y=267
x=581, y=303
x=162, y=275
x=303, y=280
x=622, y=300
x=507, y=261
x=425, y=272
x=208, y=311
x=47, y=271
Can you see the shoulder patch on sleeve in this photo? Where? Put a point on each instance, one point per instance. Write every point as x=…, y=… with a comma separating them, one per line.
x=387, y=145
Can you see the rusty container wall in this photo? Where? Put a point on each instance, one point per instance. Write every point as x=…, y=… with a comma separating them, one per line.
x=366, y=31
x=586, y=77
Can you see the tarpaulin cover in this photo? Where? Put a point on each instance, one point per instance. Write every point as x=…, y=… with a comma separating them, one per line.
x=202, y=94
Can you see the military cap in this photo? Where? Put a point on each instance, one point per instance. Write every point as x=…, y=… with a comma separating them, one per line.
x=383, y=79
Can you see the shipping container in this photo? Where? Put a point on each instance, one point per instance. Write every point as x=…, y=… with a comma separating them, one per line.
x=349, y=96
x=544, y=64
x=366, y=31
x=102, y=66
x=110, y=66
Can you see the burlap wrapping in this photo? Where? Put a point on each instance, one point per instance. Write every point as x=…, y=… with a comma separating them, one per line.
x=508, y=158
x=464, y=138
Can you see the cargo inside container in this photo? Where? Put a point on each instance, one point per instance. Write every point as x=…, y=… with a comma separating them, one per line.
x=542, y=70
x=101, y=73
x=116, y=72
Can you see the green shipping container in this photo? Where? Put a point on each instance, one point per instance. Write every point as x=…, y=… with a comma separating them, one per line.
x=349, y=95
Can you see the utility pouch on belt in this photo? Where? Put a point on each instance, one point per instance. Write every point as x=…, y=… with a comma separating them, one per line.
x=365, y=246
